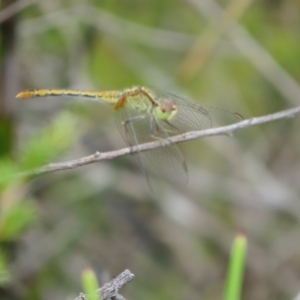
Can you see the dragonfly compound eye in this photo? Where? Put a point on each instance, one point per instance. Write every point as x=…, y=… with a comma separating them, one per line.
x=166, y=109
x=168, y=105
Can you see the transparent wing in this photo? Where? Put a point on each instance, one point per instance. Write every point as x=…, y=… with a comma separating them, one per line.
x=195, y=116
x=139, y=126
x=166, y=161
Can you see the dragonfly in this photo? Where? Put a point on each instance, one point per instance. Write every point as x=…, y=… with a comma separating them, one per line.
x=145, y=114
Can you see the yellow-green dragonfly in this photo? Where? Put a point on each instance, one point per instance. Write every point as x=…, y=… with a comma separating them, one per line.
x=144, y=115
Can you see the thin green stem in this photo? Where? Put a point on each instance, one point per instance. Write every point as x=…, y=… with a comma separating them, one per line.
x=236, y=268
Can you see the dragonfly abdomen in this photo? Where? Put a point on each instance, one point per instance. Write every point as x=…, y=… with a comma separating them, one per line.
x=110, y=97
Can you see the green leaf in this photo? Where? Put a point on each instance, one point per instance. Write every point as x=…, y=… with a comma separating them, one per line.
x=15, y=219
x=235, y=273
x=8, y=170
x=90, y=284
x=49, y=143
x=4, y=273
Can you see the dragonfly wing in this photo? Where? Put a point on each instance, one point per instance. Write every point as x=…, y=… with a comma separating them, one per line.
x=195, y=116
x=125, y=119
x=138, y=127
x=168, y=163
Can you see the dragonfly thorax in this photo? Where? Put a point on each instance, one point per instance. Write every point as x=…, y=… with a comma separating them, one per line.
x=166, y=109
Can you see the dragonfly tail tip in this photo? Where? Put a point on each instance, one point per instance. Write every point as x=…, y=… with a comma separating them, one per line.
x=24, y=95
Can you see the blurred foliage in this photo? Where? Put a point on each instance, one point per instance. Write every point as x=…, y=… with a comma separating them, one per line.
x=4, y=270
x=18, y=212
x=177, y=242
x=50, y=142
x=90, y=284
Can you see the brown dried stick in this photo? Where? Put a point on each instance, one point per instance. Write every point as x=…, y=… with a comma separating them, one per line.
x=111, y=289
x=225, y=130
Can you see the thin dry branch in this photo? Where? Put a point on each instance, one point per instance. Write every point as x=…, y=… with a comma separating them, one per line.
x=251, y=49
x=13, y=9
x=224, y=130
x=111, y=289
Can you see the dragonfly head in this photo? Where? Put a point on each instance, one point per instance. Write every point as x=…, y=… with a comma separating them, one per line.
x=166, y=109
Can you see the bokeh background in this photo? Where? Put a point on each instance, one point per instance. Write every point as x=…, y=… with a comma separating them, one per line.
x=242, y=55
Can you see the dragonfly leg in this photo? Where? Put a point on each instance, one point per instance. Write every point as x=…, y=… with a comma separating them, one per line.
x=126, y=124
x=175, y=129
x=163, y=133
x=163, y=140
x=171, y=125
x=135, y=118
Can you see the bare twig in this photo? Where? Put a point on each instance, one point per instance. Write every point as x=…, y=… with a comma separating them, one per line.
x=224, y=130
x=257, y=55
x=206, y=44
x=111, y=289
x=13, y=9
x=109, y=24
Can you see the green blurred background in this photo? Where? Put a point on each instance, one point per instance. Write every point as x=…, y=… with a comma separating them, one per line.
x=242, y=55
